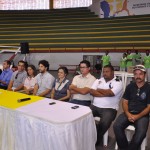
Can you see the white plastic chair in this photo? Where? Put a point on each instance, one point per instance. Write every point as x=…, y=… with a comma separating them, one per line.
x=105, y=137
x=122, y=75
x=129, y=130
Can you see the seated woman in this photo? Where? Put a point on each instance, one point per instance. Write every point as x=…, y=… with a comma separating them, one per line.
x=30, y=80
x=60, y=89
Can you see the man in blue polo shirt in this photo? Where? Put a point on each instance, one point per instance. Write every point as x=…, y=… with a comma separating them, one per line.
x=5, y=75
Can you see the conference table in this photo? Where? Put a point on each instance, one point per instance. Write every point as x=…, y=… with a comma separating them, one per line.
x=44, y=124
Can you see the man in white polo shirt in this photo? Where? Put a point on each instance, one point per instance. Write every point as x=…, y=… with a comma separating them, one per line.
x=81, y=84
x=107, y=92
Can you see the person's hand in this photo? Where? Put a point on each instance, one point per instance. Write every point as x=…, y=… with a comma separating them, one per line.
x=30, y=89
x=71, y=87
x=130, y=117
x=135, y=117
x=27, y=92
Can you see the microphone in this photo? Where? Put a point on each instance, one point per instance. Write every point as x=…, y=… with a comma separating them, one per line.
x=23, y=99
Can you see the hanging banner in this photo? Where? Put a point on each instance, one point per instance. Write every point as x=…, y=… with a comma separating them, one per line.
x=117, y=8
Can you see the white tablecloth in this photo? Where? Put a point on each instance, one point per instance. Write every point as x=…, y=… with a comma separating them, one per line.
x=40, y=126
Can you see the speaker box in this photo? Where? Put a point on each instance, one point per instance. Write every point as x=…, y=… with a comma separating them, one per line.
x=24, y=47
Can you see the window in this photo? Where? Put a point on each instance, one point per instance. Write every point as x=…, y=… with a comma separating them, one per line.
x=23, y=4
x=41, y=4
x=71, y=3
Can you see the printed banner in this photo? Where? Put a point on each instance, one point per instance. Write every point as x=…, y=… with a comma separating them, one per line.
x=116, y=8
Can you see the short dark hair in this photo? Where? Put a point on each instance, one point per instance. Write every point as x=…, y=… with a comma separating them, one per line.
x=21, y=61
x=34, y=70
x=128, y=50
x=85, y=62
x=147, y=50
x=8, y=62
x=45, y=63
x=109, y=66
x=64, y=69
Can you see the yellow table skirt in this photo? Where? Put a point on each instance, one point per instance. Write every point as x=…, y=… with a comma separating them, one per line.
x=9, y=99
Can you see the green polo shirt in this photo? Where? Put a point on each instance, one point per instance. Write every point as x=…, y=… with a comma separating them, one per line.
x=123, y=62
x=137, y=58
x=146, y=61
x=130, y=62
x=106, y=60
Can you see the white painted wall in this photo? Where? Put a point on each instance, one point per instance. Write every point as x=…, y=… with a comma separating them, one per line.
x=55, y=59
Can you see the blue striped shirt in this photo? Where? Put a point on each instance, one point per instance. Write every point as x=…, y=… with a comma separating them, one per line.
x=6, y=76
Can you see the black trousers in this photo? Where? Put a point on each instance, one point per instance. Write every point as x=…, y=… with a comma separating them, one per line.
x=107, y=115
x=141, y=126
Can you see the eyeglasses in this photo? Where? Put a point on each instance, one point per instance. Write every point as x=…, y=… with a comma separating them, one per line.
x=83, y=67
x=21, y=65
x=138, y=92
x=16, y=76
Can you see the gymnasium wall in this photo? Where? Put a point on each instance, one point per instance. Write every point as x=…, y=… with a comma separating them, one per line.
x=55, y=59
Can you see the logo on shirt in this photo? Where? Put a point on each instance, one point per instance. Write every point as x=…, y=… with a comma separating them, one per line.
x=143, y=95
x=99, y=82
x=110, y=86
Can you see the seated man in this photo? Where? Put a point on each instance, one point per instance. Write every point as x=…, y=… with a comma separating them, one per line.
x=107, y=92
x=5, y=76
x=18, y=78
x=81, y=84
x=136, y=106
x=44, y=80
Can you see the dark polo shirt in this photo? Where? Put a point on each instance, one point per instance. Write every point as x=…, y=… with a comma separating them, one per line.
x=138, y=98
